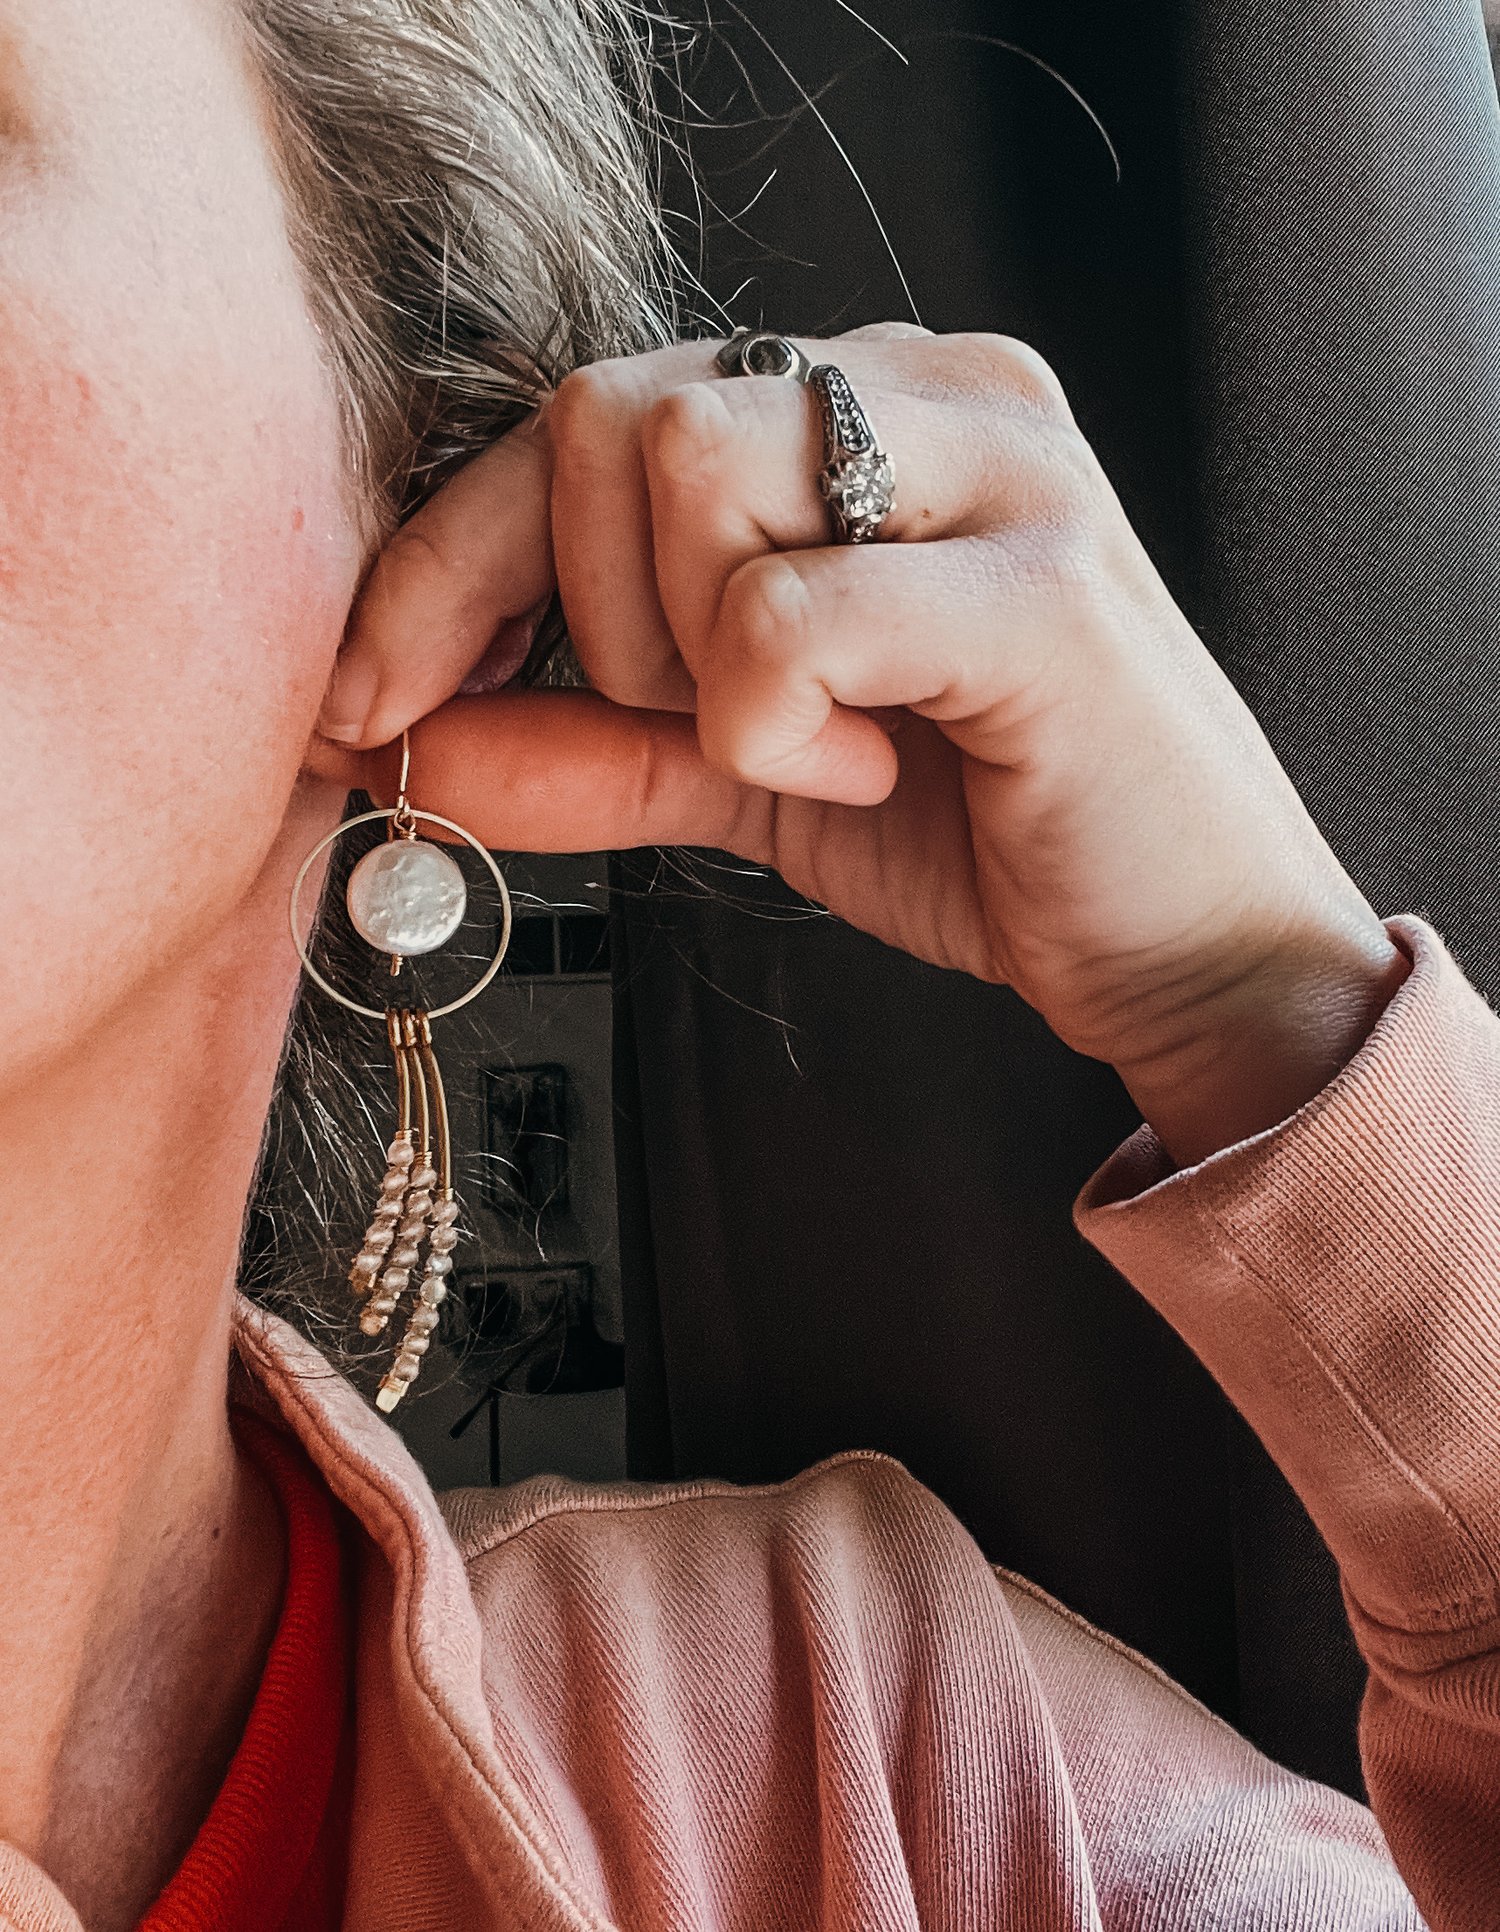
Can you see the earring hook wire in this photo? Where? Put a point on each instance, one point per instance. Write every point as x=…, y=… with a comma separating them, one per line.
x=403, y=823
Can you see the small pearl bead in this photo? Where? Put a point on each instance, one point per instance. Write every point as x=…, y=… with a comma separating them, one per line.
x=371, y=1324
x=439, y=1264
x=444, y=1240
x=403, y=1369
x=394, y=1281
x=424, y=1176
x=434, y=1291
x=423, y=1320
x=419, y=1201
x=404, y=1256
x=413, y=1227
x=394, y=1185
x=445, y=1213
x=415, y=1344
x=401, y=1153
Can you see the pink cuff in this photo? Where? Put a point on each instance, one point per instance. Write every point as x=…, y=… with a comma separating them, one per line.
x=1339, y=1274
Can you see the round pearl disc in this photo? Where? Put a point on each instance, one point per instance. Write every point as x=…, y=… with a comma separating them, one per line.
x=407, y=896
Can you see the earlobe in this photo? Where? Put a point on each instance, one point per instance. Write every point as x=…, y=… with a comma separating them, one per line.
x=337, y=763
x=373, y=771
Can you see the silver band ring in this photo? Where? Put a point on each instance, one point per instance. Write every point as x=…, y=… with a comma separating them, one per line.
x=762, y=352
x=857, y=477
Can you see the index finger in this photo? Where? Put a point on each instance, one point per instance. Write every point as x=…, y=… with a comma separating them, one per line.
x=466, y=573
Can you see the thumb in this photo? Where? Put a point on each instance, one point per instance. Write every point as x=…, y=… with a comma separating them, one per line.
x=568, y=771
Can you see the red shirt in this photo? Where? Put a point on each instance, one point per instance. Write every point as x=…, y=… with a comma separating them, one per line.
x=271, y=1854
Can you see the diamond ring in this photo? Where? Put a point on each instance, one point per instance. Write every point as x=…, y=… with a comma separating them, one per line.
x=857, y=476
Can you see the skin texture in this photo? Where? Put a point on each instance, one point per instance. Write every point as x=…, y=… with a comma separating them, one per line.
x=999, y=746
x=176, y=562
x=991, y=739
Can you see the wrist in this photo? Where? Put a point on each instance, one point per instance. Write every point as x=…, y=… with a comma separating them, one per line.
x=1267, y=1040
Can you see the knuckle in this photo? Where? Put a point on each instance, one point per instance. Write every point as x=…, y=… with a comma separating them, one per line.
x=1069, y=480
x=1032, y=377
x=414, y=566
x=1022, y=372
x=887, y=332
x=1054, y=547
x=413, y=549
x=587, y=399
x=766, y=610
x=1041, y=480
x=686, y=434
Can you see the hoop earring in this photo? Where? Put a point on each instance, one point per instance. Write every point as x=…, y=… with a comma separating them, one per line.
x=407, y=897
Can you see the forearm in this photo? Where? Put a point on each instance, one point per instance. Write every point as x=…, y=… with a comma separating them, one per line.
x=1340, y=1275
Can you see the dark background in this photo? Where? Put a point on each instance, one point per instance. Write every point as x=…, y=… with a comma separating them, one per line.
x=845, y=1179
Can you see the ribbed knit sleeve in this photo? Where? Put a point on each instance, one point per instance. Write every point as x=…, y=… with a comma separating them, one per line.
x=1340, y=1275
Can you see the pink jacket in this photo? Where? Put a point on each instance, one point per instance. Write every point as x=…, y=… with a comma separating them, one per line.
x=813, y=1706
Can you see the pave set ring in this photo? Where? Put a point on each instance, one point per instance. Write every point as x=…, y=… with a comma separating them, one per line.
x=857, y=479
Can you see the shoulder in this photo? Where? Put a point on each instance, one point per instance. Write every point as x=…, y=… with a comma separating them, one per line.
x=859, y=1519
x=730, y=1691
x=481, y=1519
x=744, y=1685
x=485, y=1521
x=1171, y=1797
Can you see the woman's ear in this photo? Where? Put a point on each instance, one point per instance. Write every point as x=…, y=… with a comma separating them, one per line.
x=336, y=763
x=376, y=771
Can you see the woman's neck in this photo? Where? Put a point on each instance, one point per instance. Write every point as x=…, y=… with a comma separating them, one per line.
x=146, y=1556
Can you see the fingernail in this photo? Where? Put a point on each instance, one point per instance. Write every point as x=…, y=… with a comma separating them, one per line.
x=348, y=701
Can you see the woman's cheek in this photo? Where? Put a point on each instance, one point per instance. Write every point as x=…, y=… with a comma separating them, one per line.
x=177, y=558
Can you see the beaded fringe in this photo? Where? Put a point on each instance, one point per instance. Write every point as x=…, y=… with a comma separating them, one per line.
x=416, y=1204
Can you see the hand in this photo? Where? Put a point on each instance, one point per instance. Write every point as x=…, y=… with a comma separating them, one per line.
x=990, y=738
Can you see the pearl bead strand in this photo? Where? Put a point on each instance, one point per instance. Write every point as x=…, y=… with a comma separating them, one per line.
x=381, y=1232
x=394, y=1281
x=423, y=1320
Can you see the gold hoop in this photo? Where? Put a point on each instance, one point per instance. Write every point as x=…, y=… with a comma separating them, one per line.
x=408, y=814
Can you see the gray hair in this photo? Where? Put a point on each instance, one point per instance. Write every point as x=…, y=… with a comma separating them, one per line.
x=472, y=197
x=473, y=202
